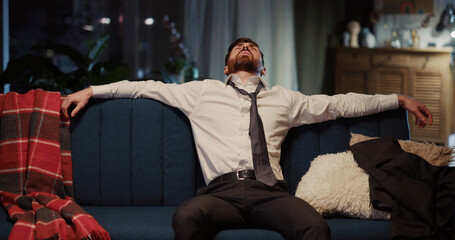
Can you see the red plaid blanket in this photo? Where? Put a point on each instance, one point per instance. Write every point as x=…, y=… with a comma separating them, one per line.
x=36, y=172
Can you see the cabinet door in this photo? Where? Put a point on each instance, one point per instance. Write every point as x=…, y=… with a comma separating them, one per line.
x=352, y=72
x=427, y=87
x=388, y=80
x=353, y=80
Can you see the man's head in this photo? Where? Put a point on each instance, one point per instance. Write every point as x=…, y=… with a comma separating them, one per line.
x=244, y=55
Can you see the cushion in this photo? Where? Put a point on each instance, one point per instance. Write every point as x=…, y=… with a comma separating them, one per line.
x=335, y=186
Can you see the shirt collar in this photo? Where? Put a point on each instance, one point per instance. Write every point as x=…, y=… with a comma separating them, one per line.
x=253, y=80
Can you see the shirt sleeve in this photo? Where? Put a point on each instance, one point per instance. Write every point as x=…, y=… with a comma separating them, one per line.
x=318, y=108
x=183, y=96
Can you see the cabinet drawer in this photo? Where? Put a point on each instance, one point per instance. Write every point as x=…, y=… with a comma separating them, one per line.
x=354, y=59
x=383, y=59
x=429, y=61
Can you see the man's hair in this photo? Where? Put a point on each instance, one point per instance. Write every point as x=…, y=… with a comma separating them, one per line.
x=235, y=43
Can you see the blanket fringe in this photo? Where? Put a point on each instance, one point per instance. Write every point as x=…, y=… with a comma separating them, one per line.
x=97, y=235
x=54, y=237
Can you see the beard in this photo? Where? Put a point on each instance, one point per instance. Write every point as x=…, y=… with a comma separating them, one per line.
x=244, y=63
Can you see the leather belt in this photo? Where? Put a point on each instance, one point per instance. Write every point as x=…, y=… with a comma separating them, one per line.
x=238, y=175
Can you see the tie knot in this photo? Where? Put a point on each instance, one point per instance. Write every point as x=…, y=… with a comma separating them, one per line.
x=242, y=91
x=253, y=96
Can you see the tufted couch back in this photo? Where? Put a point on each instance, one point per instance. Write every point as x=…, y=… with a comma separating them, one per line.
x=140, y=152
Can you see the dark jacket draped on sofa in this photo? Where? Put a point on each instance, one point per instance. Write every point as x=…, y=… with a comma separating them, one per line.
x=420, y=196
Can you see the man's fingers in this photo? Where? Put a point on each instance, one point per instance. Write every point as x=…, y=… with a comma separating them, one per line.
x=423, y=120
x=78, y=99
x=76, y=110
x=64, y=111
x=423, y=116
x=421, y=112
x=427, y=113
x=420, y=121
x=65, y=105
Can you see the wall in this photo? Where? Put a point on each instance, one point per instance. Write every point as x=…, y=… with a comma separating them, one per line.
x=405, y=22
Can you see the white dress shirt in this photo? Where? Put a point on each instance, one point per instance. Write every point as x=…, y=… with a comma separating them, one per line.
x=220, y=116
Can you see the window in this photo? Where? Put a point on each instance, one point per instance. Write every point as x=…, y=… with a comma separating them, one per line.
x=136, y=33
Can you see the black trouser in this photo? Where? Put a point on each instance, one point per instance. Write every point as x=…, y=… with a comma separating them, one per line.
x=247, y=204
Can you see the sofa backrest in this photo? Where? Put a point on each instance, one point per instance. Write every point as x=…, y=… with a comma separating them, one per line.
x=132, y=152
x=140, y=152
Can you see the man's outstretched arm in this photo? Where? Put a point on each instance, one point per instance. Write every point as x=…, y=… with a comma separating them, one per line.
x=182, y=96
x=319, y=108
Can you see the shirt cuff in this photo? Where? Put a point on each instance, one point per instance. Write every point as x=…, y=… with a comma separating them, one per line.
x=389, y=102
x=101, y=91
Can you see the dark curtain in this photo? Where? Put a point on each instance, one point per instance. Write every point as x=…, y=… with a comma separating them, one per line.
x=319, y=25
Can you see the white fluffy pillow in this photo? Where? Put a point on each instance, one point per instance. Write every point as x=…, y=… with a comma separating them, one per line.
x=335, y=185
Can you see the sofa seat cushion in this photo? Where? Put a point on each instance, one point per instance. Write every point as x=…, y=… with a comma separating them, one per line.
x=153, y=222
x=250, y=234
x=5, y=224
x=358, y=229
x=156, y=223
x=340, y=228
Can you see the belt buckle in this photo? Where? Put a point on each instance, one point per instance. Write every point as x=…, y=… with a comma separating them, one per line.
x=238, y=175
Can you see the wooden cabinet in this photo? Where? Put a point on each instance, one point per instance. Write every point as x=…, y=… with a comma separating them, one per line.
x=424, y=74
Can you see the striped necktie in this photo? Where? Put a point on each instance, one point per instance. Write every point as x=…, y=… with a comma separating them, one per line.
x=262, y=168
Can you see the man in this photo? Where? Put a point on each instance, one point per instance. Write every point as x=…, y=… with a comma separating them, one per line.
x=234, y=123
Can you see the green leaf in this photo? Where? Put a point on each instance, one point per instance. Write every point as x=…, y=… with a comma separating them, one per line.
x=95, y=51
x=174, y=65
x=108, y=72
x=75, y=80
x=66, y=50
x=168, y=78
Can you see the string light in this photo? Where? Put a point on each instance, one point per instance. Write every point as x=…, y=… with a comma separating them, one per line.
x=149, y=21
x=105, y=20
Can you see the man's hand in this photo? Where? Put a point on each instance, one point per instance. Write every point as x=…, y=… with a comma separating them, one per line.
x=79, y=99
x=420, y=111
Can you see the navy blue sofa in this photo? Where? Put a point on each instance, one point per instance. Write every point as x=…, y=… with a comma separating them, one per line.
x=134, y=162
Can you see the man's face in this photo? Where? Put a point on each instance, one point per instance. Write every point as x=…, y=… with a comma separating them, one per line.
x=245, y=56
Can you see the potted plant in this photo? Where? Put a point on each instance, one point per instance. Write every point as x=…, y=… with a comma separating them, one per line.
x=37, y=69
